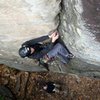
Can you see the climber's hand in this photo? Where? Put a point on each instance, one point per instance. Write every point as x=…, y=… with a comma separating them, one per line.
x=55, y=36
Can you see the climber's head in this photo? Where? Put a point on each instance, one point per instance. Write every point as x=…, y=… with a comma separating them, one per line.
x=25, y=51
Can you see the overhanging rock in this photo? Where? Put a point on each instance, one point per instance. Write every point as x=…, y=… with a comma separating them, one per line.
x=21, y=20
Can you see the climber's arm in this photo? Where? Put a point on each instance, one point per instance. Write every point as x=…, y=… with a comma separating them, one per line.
x=36, y=40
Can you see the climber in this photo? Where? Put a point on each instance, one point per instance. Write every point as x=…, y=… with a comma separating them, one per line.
x=51, y=87
x=45, y=51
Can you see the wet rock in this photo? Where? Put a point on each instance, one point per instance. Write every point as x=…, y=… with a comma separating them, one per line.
x=80, y=27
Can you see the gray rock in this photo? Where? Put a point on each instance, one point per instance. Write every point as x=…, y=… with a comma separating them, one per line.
x=79, y=26
x=22, y=20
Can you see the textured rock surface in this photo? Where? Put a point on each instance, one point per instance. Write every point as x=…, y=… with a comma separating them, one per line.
x=80, y=25
x=21, y=20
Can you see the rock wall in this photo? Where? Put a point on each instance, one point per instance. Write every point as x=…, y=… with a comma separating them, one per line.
x=21, y=20
x=80, y=26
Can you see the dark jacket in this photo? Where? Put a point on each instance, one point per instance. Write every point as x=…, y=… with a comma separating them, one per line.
x=40, y=48
x=50, y=87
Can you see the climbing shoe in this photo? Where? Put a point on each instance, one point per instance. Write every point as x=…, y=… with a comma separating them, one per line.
x=71, y=56
x=41, y=62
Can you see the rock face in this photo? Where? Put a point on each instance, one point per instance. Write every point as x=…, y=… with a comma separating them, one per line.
x=80, y=25
x=21, y=20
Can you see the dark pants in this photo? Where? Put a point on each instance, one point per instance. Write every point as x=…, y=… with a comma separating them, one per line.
x=59, y=51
